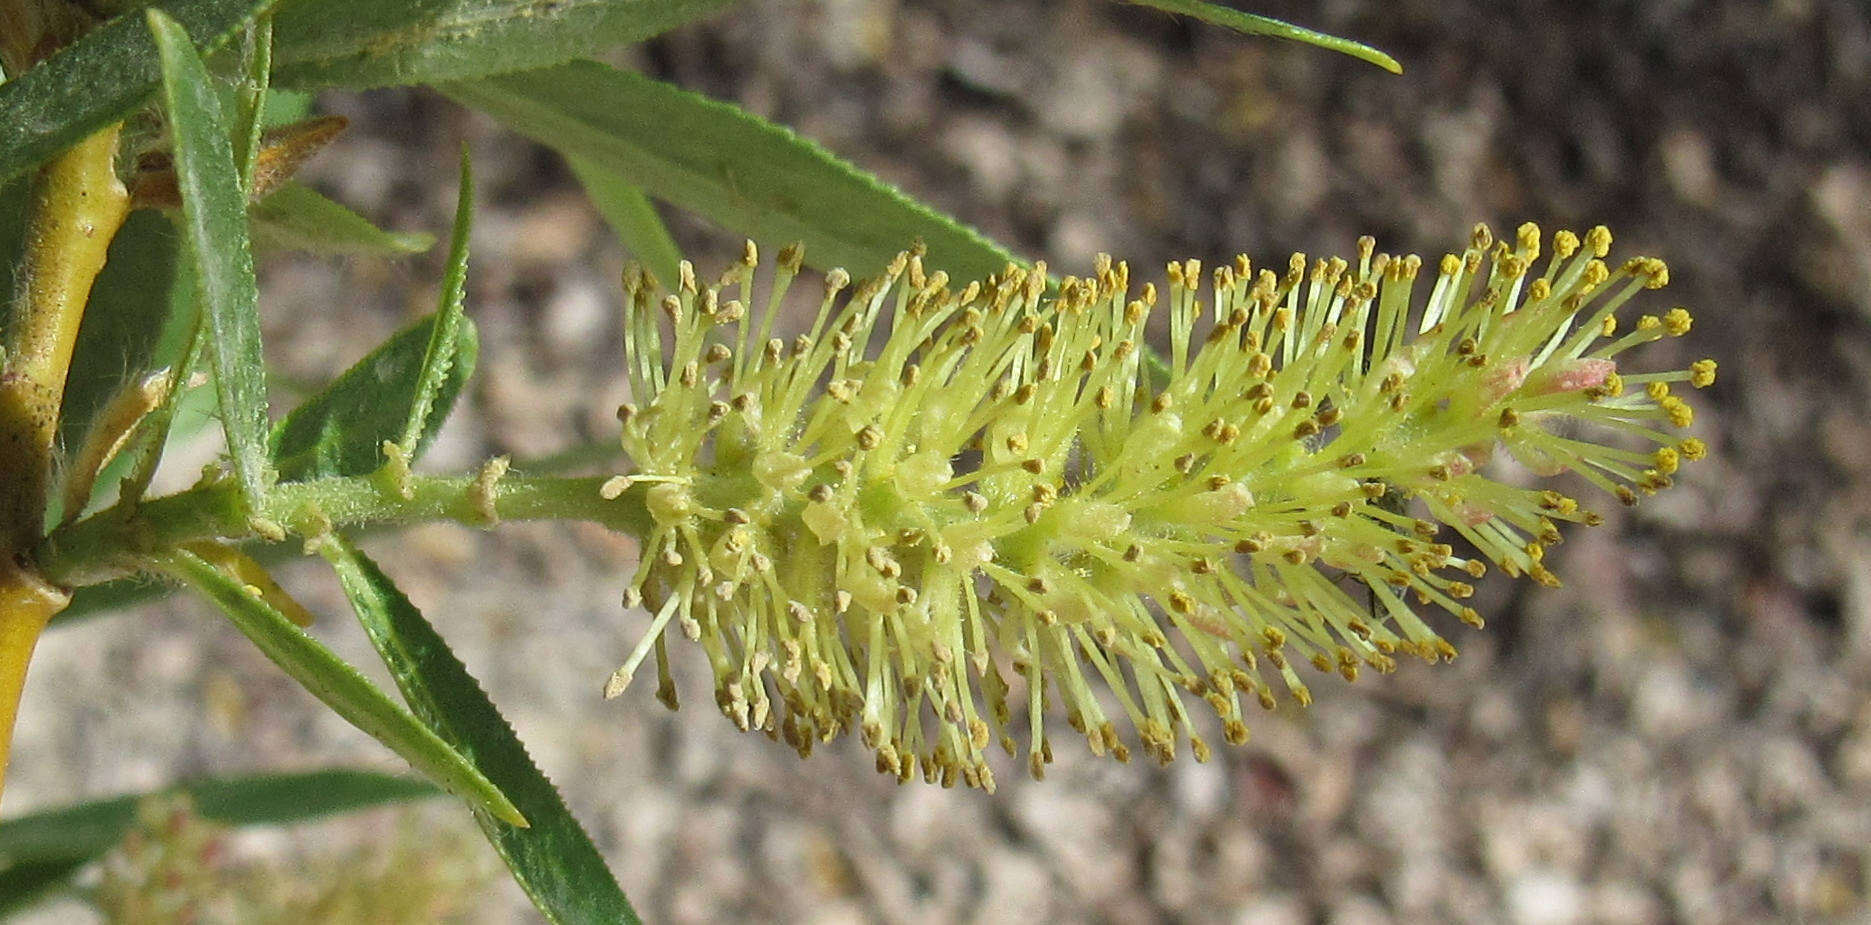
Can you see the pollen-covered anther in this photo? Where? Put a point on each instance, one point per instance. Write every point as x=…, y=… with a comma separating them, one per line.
x=1677, y=411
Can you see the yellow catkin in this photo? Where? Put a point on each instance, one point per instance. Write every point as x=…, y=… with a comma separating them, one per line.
x=938, y=513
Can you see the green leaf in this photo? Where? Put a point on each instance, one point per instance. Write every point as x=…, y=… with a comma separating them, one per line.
x=349, y=694
x=402, y=391
x=23, y=885
x=1251, y=24
x=284, y=107
x=13, y=198
x=110, y=597
x=133, y=322
x=632, y=215
x=340, y=431
x=368, y=43
x=190, y=407
x=100, y=79
x=214, y=225
x=88, y=829
x=256, y=50
x=554, y=861
x=41, y=852
x=297, y=218
x=437, y=382
x=138, y=319
x=749, y=175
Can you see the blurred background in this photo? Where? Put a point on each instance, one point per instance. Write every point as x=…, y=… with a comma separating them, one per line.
x=1683, y=732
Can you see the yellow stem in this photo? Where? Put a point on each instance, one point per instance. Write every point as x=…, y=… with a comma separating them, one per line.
x=26, y=603
x=78, y=204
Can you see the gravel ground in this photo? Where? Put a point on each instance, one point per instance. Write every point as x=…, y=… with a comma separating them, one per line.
x=1681, y=733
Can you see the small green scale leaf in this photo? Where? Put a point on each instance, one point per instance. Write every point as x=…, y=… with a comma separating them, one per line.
x=134, y=322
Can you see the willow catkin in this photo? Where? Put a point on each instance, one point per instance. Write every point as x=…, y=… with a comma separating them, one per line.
x=944, y=510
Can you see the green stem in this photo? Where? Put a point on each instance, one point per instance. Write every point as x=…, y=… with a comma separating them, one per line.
x=118, y=541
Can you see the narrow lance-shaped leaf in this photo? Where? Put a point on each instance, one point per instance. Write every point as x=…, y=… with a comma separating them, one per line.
x=349, y=694
x=87, y=829
x=256, y=49
x=22, y=885
x=1252, y=24
x=298, y=218
x=631, y=215
x=132, y=322
x=438, y=362
x=749, y=175
x=41, y=852
x=160, y=428
x=554, y=860
x=401, y=392
x=365, y=43
x=100, y=79
x=214, y=223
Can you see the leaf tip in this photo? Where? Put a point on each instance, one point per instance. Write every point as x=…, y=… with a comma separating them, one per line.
x=510, y=814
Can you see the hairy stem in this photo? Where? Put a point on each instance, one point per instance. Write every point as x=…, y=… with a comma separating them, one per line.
x=118, y=541
x=77, y=206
